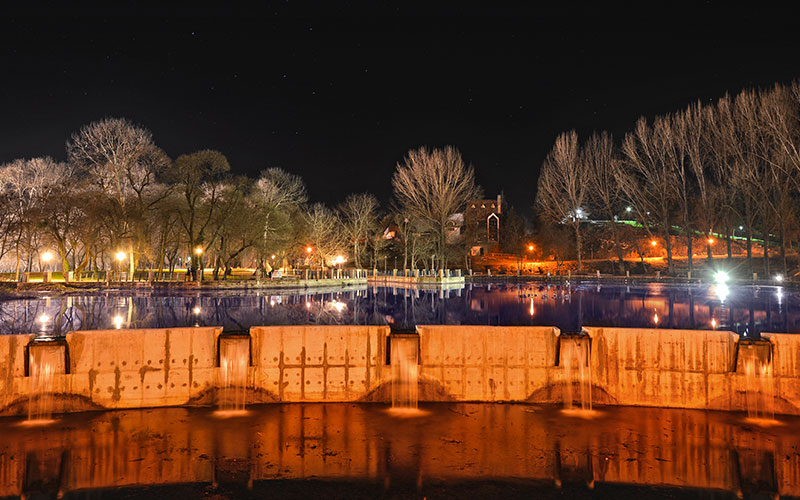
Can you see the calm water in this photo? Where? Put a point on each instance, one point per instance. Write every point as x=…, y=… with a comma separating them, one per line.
x=747, y=310
x=360, y=451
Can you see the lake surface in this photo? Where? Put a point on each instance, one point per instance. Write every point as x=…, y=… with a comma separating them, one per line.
x=361, y=451
x=748, y=310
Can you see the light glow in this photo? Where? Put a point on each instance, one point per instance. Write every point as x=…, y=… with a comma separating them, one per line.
x=309, y=249
x=44, y=319
x=117, y=321
x=196, y=310
x=653, y=242
x=711, y=241
x=120, y=256
x=198, y=250
x=721, y=277
x=47, y=256
x=779, y=278
x=714, y=323
x=530, y=248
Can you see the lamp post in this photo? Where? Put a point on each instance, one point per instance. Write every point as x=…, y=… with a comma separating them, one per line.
x=120, y=257
x=46, y=257
x=199, y=252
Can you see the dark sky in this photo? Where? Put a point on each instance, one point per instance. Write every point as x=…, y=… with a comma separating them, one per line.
x=339, y=94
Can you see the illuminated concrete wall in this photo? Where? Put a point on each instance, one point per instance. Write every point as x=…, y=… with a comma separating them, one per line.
x=502, y=363
x=319, y=363
x=179, y=366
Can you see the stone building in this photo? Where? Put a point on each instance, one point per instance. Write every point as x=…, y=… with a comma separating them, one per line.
x=482, y=225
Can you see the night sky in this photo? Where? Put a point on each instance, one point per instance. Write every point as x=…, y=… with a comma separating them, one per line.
x=339, y=94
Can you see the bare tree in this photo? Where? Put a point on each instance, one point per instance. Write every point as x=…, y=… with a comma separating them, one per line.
x=277, y=195
x=563, y=186
x=602, y=166
x=324, y=233
x=650, y=181
x=124, y=162
x=359, y=217
x=28, y=185
x=433, y=185
x=201, y=179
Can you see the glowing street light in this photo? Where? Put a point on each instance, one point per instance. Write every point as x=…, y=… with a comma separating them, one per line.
x=273, y=257
x=721, y=277
x=44, y=319
x=653, y=243
x=120, y=256
x=309, y=249
x=629, y=209
x=339, y=259
x=530, y=248
x=713, y=323
x=47, y=257
x=779, y=278
x=711, y=241
x=118, y=321
x=196, y=310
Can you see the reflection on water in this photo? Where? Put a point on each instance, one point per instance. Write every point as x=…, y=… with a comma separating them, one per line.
x=747, y=310
x=362, y=444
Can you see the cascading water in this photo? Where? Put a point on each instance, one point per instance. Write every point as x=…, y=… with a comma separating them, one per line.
x=759, y=383
x=45, y=360
x=234, y=360
x=576, y=361
x=404, y=350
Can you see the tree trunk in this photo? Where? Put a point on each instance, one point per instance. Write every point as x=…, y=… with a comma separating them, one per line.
x=617, y=246
x=749, y=222
x=783, y=249
x=668, y=245
x=765, y=246
x=689, y=250
x=578, y=246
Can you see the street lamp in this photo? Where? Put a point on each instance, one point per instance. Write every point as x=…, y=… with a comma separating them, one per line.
x=120, y=257
x=653, y=242
x=46, y=258
x=199, y=252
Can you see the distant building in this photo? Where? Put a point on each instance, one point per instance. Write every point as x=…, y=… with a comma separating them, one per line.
x=481, y=227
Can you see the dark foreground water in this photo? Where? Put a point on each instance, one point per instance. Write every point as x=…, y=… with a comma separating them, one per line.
x=747, y=310
x=361, y=451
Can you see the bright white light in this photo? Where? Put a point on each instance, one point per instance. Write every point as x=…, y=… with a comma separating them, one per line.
x=339, y=306
x=47, y=256
x=118, y=321
x=308, y=305
x=197, y=310
x=721, y=277
x=628, y=209
x=714, y=323
x=44, y=319
x=722, y=291
x=339, y=259
x=532, y=311
x=780, y=294
x=120, y=256
x=741, y=228
x=779, y=278
x=579, y=212
x=655, y=318
x=273, y=257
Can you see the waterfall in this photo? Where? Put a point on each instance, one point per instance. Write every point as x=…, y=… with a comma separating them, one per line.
x=45, y=360
x=576, y=361
x=234, y=360
x=404, y=350
x=758, y=381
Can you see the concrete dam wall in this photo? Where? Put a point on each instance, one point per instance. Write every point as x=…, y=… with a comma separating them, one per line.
x=615, y=366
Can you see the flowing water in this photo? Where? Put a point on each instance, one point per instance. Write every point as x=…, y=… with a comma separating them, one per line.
x=576, y=361
x=45, y=361
x=234, y=360
x=759, y=383
x=404, y=352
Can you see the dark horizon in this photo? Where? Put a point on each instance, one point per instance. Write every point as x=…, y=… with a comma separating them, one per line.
x=339, y=96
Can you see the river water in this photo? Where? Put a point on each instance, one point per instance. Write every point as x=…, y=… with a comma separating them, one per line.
x=747, y=310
